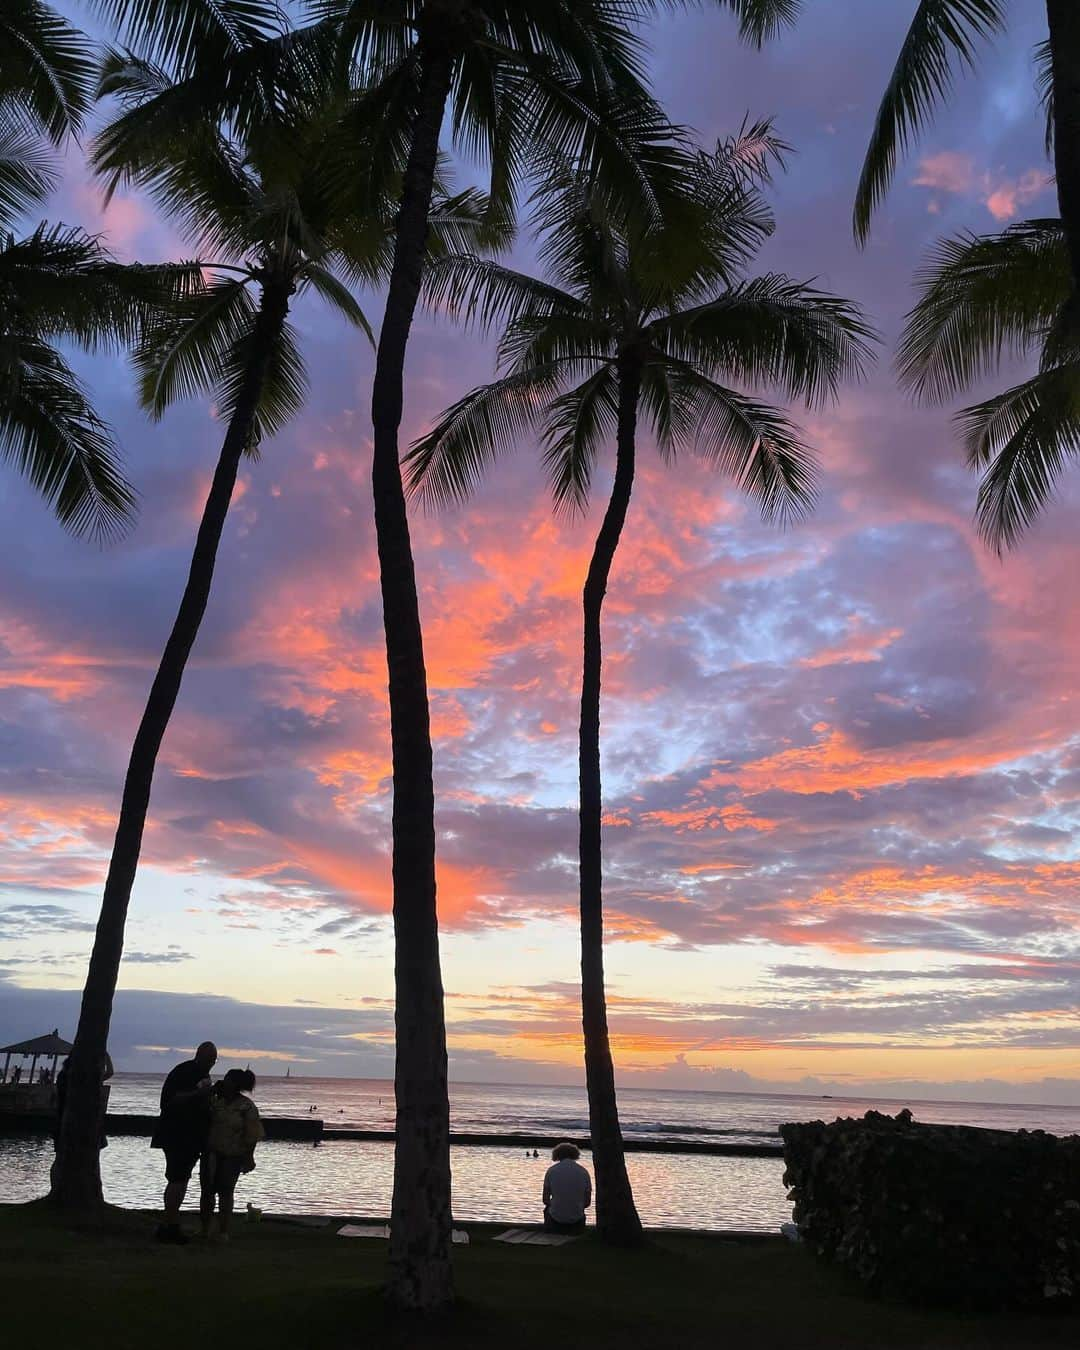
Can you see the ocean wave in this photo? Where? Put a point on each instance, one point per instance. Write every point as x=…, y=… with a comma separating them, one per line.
x=632, y=1129
x=662, y=1128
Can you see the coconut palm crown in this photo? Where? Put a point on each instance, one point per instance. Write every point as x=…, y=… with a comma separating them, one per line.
x=265, y=209
x=262, y=217
x=986, y=299
x=562, y=77
x=672, y=301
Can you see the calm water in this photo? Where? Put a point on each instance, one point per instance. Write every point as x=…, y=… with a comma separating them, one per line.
x=502, y=1183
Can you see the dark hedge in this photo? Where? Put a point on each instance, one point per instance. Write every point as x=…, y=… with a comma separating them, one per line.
x=940, y=1213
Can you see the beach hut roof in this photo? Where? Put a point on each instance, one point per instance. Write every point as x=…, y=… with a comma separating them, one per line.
x=49, y=1045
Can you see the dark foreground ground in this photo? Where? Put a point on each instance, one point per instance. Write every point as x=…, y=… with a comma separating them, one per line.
x=278, y=1286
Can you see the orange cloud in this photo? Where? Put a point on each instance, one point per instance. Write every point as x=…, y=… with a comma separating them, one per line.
x=857, y=648
x=835, y=763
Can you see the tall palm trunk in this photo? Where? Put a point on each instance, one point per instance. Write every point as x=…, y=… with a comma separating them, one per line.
x=77, y=1174
x=420, y=1274
x=616, y=1216
x=1064, y=20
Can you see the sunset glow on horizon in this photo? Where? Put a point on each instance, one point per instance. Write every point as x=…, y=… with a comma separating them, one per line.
x=841, y=761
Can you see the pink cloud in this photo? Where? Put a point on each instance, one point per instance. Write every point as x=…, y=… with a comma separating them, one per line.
x=1007, y=199
x=947, y=171
x=955, y=173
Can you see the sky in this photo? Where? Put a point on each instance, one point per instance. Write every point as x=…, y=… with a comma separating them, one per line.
x=841, y=761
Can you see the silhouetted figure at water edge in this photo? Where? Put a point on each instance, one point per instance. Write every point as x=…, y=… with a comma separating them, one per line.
x=235, y=1129
x=182, y=1130
x=567, y=1191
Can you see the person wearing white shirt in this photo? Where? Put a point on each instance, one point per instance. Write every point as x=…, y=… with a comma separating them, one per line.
x=567, y=1191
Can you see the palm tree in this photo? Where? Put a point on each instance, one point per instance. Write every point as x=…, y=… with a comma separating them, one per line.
x=261, y=212
x=984, y=298
x=516, y=75
x=628, y=324
x=57, y=284
x=943, y=35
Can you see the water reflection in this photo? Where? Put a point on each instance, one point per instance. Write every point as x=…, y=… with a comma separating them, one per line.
x=499, y=1184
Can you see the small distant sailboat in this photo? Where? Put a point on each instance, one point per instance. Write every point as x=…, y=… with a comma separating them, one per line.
x=288, y=1070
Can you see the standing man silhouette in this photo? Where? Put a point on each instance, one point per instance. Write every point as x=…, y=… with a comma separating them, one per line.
x=181, y=1131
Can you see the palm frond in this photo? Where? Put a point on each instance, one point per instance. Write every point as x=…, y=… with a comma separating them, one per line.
x=753, y=152
x=167, y=142
x=375, y=34
x=468, y=222
x=448, y=463
x=759, y=20
x=583, y=245
x=338, y=296
x=61, y=284
x=983, y=297
x=943, y=34
x=282, y=382
x=596, y=42
x=27, y=172
x=772, y=331
x=185, y=352
x=365, y=152
x=48, y=68
x=1044, y=84
x=51, y=435
x=184, y=33
x=755, y=445
x=481, y=292
x=714, y=228
x=664, y=403
x=617, y=139
x=576, y=425
x=576, y=341
x=1021, y=438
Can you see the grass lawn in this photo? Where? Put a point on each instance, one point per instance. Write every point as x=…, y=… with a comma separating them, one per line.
x=281, y=1286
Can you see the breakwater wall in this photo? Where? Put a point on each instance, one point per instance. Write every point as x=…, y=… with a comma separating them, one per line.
x=304, y=1129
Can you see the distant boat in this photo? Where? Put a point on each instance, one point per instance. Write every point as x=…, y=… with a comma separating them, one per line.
x=288, y=1070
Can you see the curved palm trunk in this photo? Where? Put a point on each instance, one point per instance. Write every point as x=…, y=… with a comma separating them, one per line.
x=420, y=1275
x=77, y=1174
x=1064, y=20
x=616, y=1216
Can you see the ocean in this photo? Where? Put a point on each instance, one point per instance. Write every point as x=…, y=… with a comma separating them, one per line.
x=501, y=1183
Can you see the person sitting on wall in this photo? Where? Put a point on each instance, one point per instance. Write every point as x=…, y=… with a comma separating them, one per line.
x=567, y=1191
